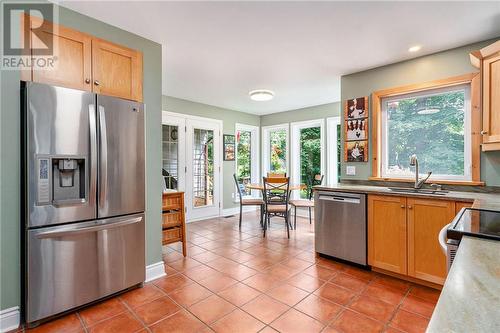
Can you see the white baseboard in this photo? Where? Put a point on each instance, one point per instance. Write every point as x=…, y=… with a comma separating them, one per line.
x=236, y=210
x=9, y=319
x=155, y=271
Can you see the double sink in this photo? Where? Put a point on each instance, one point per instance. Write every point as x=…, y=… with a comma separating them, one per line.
x=417, y=190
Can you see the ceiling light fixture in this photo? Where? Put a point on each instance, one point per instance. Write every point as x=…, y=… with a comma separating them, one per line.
x=261, y=95
x=414, y=48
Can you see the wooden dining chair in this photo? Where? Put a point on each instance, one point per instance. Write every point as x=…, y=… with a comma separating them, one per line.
x=306, y=203
x=276, y=196
x=248, y=202
x=276, y=175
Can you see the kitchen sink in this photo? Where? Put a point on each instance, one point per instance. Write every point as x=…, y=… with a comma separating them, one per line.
x=417, y=190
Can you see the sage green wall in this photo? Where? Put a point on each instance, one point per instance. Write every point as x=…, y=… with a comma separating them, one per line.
x=427, y=68
x=229, y=118
x=10, y=152
x=314, y=112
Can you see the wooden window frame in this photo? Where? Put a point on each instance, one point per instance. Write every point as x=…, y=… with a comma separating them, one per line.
x=474, y=79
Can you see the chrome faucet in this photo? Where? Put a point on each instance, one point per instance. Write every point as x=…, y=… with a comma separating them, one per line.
x=418, y=183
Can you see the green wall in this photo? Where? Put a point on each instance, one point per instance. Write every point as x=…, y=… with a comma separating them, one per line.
x=229, y=118
x=427, y=68
x=10, y=152
x=314, y=112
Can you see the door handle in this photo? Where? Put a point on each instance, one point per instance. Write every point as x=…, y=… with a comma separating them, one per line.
x=103, y=156
x=74, y=231
x=402, y=206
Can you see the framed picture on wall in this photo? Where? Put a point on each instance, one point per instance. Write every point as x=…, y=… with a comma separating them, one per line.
x=229, y=147
x=356, y=108
x=356, y=129
x=356, y=151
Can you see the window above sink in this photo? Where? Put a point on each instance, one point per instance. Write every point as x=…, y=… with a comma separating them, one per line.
x=438, y=121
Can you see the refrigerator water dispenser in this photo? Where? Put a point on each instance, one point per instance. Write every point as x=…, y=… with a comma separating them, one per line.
x=68, y=180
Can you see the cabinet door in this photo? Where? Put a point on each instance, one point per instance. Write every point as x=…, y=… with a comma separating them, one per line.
x=491, y=102
x=426, y=217
x=116, y=70
x=73, y=52
x=461, y=204
x=387, y=233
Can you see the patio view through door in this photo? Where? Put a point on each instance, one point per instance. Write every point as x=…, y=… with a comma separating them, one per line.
x=203, y=168
x=192, y=162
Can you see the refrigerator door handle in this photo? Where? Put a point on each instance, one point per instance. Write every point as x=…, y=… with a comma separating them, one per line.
x=73, y=231
x=103, y=157
x=93, y=154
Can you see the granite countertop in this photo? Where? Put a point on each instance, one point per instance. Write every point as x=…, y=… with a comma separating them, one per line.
x=489, y=201
x=470, y=300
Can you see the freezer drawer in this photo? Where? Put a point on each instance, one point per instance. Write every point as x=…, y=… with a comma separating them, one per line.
x=71, y=265
x=340, y=225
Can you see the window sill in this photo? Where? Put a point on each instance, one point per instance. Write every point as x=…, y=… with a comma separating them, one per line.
x=442, y=182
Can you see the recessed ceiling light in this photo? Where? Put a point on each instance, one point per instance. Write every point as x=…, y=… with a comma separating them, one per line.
x=414, y=48
x=261, y=95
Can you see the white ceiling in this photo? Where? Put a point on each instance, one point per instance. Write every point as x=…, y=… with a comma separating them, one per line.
x=216, y=52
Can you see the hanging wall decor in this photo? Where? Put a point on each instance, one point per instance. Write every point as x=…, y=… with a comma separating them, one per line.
x=229, y=147
x=356, y=130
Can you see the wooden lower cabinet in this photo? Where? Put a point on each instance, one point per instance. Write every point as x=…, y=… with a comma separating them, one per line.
x=173, y=219
x=387, y=233
x=461, y=204
x=403, y=235
x=426, y=217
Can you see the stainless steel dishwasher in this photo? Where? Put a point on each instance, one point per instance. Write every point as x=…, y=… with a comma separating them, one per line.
x=340, y=225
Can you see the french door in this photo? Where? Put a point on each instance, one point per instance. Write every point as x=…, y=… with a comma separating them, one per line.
x=196, y=162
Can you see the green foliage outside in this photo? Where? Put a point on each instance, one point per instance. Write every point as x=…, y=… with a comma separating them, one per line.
x=278, y=151
x=310, y=155
x=244, y=158
x=437, y=138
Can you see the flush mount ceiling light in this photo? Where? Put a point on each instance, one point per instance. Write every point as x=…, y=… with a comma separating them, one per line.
x=261, y=95
x=414, y=48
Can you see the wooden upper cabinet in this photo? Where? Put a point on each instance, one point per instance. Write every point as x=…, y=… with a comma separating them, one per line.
x=387, y=233
x=488, y=60
x=72, y=67
x=426, y=217
x=116, y=70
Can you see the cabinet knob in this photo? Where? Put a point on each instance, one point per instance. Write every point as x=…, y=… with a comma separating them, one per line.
x=484, y=132
x=96, y=82
x=87, y=81
x=410, y=207
x=402, y=206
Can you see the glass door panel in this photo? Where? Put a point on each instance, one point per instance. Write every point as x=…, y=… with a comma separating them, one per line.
x=170, y=160
x=203, y=167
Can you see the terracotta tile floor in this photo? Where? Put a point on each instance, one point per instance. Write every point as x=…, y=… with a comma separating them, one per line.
x=236, y=281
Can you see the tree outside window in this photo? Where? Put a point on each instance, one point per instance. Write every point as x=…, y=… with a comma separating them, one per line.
x=310, y=156
x=278, y=151
x=244, y=159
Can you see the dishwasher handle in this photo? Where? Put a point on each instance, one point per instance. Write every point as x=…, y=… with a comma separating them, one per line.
x=340, y=199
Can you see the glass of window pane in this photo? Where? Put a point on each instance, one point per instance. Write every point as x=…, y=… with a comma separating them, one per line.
x=243, y=159
x=203, y=167
x=430, y=125
x=170, y=156
x=278, y=151
x=310, y=156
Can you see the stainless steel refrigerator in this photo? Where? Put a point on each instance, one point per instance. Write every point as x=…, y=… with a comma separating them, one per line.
x=83, y=198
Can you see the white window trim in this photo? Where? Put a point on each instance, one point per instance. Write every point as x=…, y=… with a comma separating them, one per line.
x=295, y=148
x=266, y=146
x=255, y=154
x=331, y=127
x=467, y=136
x=172, y=119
